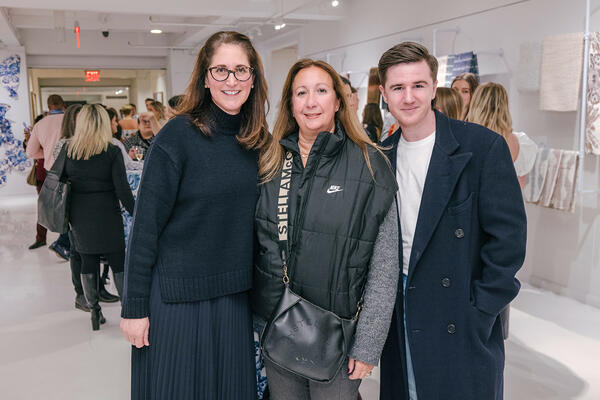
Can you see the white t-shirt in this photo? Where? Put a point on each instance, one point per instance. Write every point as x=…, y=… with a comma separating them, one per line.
x=412, y=162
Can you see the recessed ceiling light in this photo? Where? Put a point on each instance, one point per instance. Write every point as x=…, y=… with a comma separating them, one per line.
x=335, y=3
x=156, y=31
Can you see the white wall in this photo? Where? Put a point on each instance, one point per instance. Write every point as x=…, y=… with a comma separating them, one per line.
x=17, y=115
x=179, y=71
x=562, y=247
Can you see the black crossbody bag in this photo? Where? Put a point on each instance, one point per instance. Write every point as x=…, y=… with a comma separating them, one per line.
x=53, y=201
x=302, y=337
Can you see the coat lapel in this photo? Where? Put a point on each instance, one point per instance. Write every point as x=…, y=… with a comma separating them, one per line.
x=445, y=168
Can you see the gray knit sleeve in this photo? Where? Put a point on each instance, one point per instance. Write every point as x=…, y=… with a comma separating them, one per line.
x=380, y=293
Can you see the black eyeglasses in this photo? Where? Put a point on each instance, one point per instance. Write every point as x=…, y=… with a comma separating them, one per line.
x=241, y=73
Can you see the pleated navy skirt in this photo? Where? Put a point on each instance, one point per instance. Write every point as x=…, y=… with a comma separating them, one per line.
x=198, y=351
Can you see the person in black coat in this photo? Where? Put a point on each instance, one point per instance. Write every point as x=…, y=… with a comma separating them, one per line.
x=189, y=261
x=96, y=171
x=463, y=226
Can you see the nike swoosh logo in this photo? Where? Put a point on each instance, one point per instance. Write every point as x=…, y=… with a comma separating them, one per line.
x=330, y=190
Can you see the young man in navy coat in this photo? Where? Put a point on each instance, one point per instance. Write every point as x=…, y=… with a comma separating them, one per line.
x=463, y=227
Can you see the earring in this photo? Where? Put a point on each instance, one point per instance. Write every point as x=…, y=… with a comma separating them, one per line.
x=205, y=86
x=252, y=87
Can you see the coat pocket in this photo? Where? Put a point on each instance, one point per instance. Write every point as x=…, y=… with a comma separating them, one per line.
x=461, y=206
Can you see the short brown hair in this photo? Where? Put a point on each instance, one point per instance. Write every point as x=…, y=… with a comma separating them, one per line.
x=55, y=100
x=254, y=132
x=404, y=53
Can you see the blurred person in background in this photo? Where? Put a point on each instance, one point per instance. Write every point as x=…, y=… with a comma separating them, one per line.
x=159, y=114
x=44, y=136
x=372, y=121
x=465, y=84
x=449, y=102
x=40, y=177
x=128, y=124
x=490, y=108
x=98, y=182
x=144, y=135
x=174, y=103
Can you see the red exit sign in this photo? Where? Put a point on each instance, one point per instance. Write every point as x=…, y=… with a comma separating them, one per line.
x=92, y=76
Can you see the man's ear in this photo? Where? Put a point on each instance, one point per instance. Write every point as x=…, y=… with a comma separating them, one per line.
x=382, y=91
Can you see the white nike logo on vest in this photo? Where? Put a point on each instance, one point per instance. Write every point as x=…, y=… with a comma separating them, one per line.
x=334, y=189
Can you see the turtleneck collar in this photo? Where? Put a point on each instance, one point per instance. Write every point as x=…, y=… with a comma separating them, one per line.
x=225, y=124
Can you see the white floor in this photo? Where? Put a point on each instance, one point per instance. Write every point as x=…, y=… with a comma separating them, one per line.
x=48, y=351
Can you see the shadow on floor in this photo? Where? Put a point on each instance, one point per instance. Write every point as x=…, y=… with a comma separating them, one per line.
x=531, y=375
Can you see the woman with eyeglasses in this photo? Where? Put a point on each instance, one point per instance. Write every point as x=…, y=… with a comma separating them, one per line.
x=189, y=262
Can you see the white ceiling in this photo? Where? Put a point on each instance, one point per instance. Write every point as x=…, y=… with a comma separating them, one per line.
x=186, y=24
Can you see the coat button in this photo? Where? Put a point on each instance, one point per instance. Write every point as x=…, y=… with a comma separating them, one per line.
x=451, y=328
x=459, y=233
x=446, y=282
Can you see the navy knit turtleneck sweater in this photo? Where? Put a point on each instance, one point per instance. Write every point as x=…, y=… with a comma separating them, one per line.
x=193, y=217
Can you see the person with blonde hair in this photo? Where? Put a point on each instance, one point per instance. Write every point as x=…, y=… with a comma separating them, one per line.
x=465, y=84
x=489, y=107
x=449, y=102
x=96, y=171
x=128, y=123
x=342, y=219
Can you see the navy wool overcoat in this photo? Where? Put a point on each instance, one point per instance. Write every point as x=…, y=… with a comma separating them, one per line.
x=468, y=245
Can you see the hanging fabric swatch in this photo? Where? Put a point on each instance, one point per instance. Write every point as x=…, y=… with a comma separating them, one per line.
x=528, y=73
x=563, y=196
x=537, y=176
x=552, y=182
x=562, y=62
x=592, y=124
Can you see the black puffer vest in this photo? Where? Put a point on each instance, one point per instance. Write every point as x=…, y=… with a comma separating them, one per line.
x=335, y=210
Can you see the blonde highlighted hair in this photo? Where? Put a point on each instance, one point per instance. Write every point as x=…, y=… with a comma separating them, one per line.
x=489, y=107
x=92, y=134
x=271, y=158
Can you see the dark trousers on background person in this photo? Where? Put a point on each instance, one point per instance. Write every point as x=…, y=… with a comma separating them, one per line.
x=40, y=177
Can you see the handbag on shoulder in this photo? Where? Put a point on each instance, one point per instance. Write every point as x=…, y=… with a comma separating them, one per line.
x=53, y=201
x=302, y=337
x=31, y=177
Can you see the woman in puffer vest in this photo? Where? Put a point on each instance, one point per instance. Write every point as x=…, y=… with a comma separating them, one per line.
x=341, y=218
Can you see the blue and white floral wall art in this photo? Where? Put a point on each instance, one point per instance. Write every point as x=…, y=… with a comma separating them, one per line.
x=10, y=74
x=12, y=154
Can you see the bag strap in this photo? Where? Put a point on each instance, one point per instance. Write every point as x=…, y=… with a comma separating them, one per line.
x=282, y=221
x=282, y=211
x=59, y=164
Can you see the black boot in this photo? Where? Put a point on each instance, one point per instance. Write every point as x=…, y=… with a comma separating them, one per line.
x=90, y=289
x=75, y=263
x=119, y=277
x=105, y=295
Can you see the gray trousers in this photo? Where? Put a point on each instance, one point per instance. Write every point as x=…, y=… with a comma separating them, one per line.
x=284, y=385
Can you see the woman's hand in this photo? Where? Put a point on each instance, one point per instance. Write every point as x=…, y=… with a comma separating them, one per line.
x=135, y=331
x=358, y=369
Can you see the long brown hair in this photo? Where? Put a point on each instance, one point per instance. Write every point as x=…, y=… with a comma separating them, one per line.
x=449, y=102
x=271, y=159
x=489, y=107
x=254, y=132
x=372, y=116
